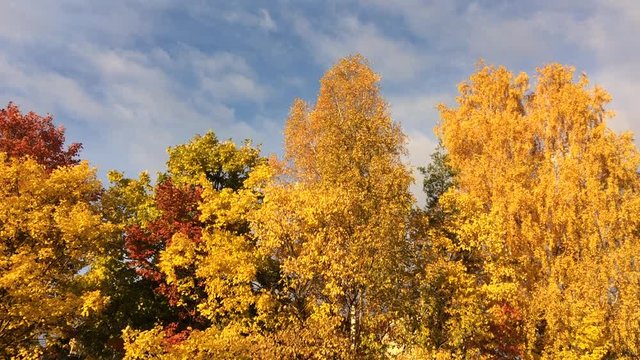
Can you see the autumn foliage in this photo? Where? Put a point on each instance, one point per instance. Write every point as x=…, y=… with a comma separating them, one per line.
x=35, y=136
x=526, y=247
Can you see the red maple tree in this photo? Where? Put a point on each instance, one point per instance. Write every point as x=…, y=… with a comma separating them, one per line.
x=35, y=136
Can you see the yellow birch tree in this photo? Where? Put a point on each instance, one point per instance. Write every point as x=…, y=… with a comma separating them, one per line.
x=547, y=195
x=335, y=220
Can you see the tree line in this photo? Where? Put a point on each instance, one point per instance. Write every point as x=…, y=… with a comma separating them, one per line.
x=527, y=246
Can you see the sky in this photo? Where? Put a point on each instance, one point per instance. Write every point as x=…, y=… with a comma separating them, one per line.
x=128, y=78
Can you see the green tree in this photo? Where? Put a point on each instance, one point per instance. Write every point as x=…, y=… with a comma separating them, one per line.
x=438, y=177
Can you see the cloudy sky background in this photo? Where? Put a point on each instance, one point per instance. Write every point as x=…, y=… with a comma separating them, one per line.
x=128, y=78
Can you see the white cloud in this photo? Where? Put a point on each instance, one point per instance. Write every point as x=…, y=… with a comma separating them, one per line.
x=609, y=34
x=418, y=115
x=623, y=85
x=125, y=87
x=420, y=144
x=260, y=19
x=225, y=76
x=266, y=22
x=417, y=110
x=45, y=91
x=65, y=21
x=135, y=104
x=598, y=34
x=217, y=63
x=395, y=59
x=461, y=32
x=127, y=99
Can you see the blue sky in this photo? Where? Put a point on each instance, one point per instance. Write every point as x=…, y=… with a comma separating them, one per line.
x=128, y=78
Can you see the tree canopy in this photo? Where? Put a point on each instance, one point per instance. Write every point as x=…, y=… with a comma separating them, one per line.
x=526, y=246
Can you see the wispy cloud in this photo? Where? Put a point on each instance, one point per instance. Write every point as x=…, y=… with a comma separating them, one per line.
x=67, y=21
x=261, y=18
x=396, y=59
x=225, y=75
x=609, y=35
x=128, y=96
x=130, y=77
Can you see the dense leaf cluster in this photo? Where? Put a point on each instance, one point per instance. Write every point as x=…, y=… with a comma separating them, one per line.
x=526, y=247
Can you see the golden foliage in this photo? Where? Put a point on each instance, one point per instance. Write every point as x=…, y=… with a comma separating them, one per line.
x=554, y=220
x=50, y=231
x=527, y=247
x=335, y=218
